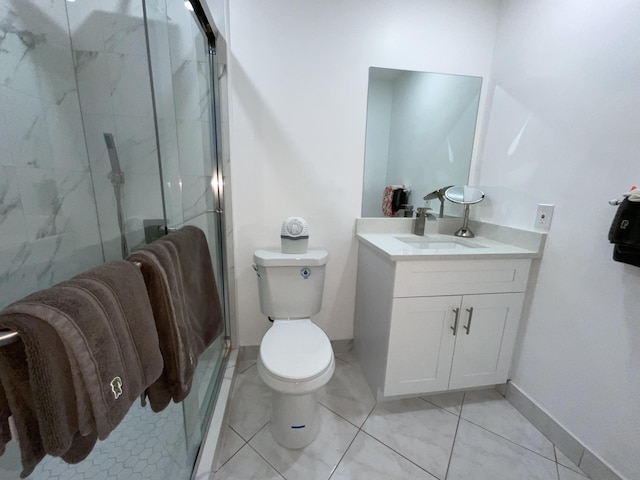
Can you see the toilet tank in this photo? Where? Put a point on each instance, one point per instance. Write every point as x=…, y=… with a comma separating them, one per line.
x=290, y=285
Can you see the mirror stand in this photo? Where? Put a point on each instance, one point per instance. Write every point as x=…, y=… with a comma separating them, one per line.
x=464, y=230
x=464, y=196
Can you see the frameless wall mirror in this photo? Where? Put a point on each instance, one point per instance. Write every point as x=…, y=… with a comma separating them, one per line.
x=420, y=131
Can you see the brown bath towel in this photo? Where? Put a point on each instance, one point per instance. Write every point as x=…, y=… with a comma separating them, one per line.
x=179, y=276
x=5, y=413
x=91, y=349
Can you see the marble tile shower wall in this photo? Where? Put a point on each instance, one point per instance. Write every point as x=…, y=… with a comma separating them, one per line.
x=183, y=98
x=69, y=72
x=48, y=224
x=111, y=67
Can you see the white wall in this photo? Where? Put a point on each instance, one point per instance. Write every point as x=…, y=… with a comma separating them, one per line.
x=564, y=129
x=298, y=92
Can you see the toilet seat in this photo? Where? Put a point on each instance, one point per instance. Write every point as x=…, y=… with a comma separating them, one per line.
x=295, y=350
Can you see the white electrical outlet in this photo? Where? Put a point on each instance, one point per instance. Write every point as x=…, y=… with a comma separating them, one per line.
x=544, y=216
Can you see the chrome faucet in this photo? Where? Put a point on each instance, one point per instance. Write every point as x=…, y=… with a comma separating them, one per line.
x=439, y=194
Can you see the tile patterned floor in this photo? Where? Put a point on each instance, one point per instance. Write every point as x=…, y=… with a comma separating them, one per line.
x=477, y=435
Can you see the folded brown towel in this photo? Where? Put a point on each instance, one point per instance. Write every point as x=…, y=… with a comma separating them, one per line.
x=35, y=375
x=179, y=276
x=91, y=350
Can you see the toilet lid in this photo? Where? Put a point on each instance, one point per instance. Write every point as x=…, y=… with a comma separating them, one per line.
x=295, y=349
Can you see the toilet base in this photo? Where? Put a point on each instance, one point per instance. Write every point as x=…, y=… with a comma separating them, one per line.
x=295, y=419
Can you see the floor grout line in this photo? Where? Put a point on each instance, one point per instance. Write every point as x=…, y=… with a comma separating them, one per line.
x=267, y=461
x=399, y=454
x=455, y=437
x=360, y=429
x=509, y=440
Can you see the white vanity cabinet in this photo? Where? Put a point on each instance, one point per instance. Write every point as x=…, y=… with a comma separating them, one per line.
x=427, y=326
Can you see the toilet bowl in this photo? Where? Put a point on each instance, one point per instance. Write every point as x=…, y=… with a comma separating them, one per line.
x=295, y=360
x=296, y=357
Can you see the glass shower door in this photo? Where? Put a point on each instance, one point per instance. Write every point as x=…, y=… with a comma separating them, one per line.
x=183, y=77
x=99, y=148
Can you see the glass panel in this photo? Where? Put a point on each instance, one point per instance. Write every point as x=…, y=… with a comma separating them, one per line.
x=72, y=72
x=49, y=229
x=183, y=91
x=112, y=71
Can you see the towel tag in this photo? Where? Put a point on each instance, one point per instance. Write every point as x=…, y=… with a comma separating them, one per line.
x=116, y=387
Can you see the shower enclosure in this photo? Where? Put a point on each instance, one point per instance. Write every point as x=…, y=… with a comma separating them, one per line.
x=109, y=138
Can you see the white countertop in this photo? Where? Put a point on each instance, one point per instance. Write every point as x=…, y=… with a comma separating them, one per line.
x=505, y=242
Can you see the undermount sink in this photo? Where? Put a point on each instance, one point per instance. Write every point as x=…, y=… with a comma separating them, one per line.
x=438, y=243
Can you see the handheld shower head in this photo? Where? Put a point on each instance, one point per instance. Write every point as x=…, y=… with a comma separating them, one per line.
x=116, y=176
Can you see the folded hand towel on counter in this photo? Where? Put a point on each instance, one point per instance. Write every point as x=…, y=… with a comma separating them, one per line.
x=88, y=348
x=181, y=285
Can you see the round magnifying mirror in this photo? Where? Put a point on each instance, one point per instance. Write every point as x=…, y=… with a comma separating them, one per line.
x=464, y=195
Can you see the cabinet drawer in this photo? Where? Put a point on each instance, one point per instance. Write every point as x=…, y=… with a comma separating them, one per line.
x=456, y=277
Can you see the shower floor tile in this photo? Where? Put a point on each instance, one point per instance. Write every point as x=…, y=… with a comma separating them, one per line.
x=475, y=435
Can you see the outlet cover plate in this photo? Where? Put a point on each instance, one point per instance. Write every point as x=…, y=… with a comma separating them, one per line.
x=544, y=216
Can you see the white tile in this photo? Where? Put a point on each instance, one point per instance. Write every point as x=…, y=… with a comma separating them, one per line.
x=66, y=133
x=92, y=74
x=17, y=276
x=182, y=44
x=27, y=131
x=349, y=357
x=129, y=84
x=596, y=468
x=566, y=461
x=479, y=454
x=194, y=139
x=246, y=465
x=13, y=229
x=549, y=427
x=451, y=402
x=124, y=31
x=196, y=190
x=416, y=429
x=230, y=443
x=250, y=408
x=565, y=473
x=190, y=86
x=368, y=459
x=135, y=140
x=86, y=25
x=348, y=394
x=492, y=411
x=315, y=461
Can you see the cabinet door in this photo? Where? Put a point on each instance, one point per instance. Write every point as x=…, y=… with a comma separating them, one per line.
x=421, y=345
x=485, y=339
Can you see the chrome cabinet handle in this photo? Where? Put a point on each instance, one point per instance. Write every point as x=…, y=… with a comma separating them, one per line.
x=467, y=327
x=455, y=322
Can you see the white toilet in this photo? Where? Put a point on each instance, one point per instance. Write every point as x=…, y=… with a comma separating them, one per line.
x=295, y=357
